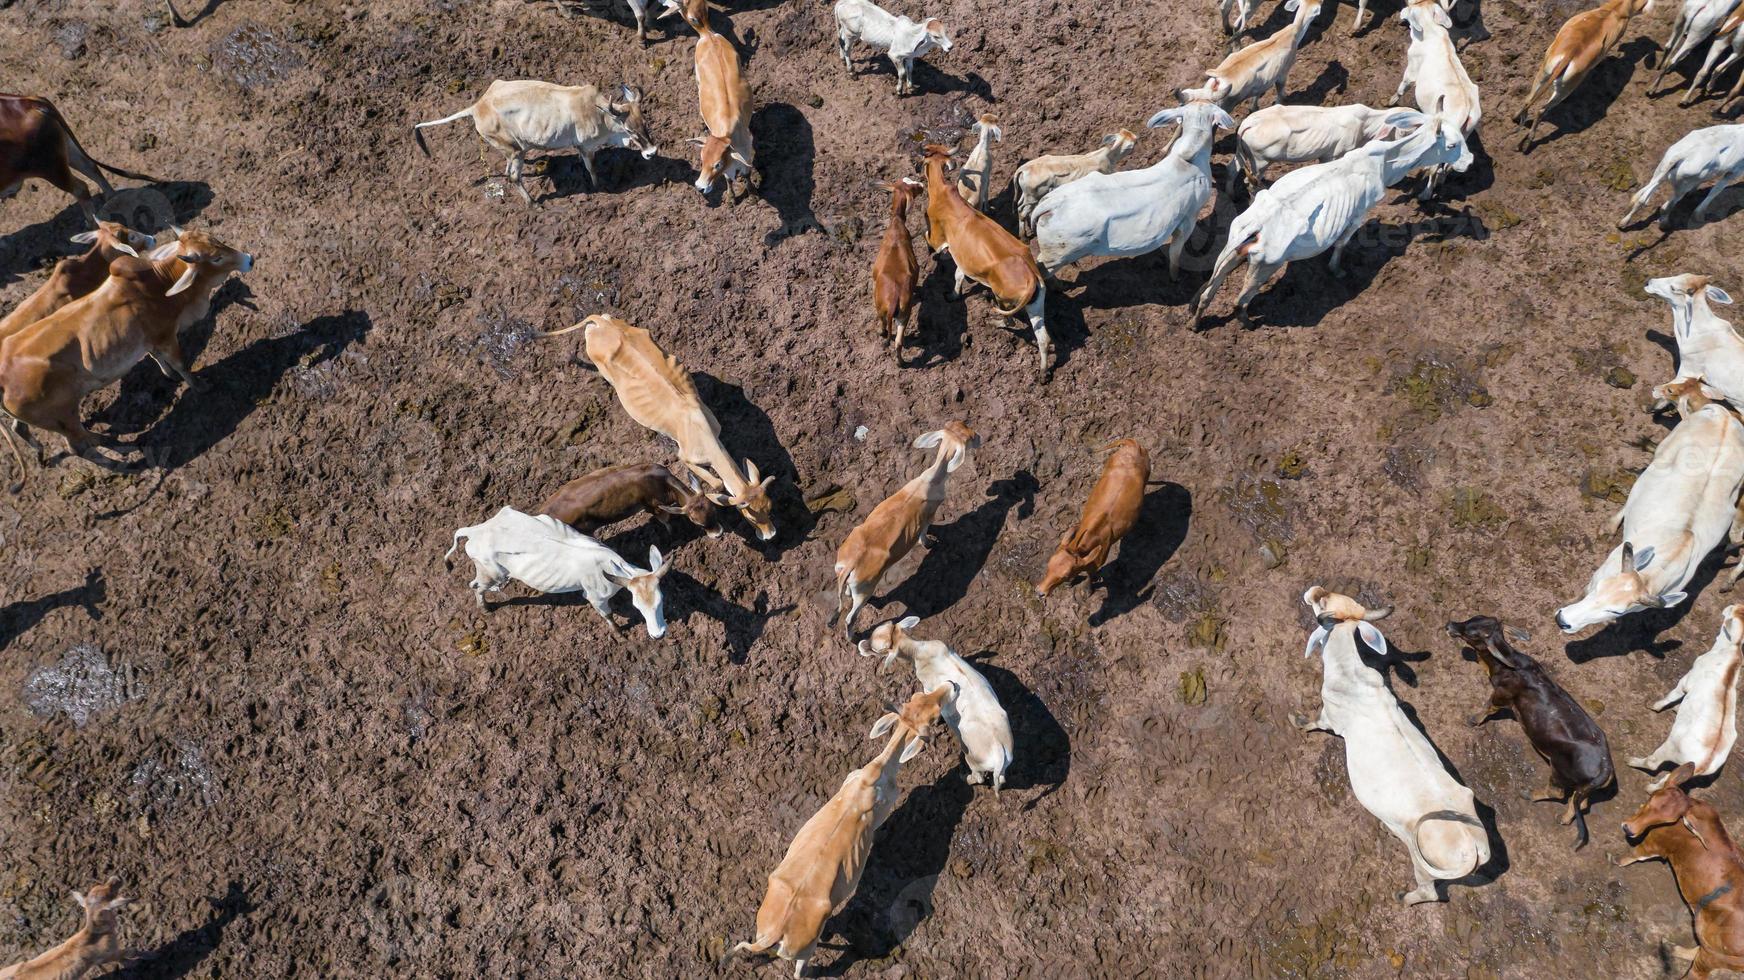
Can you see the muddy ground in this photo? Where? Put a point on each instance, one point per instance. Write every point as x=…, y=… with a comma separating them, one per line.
x=242, y=680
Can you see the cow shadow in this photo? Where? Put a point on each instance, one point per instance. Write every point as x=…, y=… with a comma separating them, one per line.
x=238, y=384
x=910, y=853
x=785, y=159
x=1163, y=520
x=749, y=433
x=19, y=618
x=1332, y=78
x=940, y=321
x=146, y=392
x=1594, y=99
x=1639, y=632
x=181, y=956
x=620, y=170
x=1041, y=748
x=744, y=626
x=1683, y=214
x=928, y=78
x=207, y=8
x=961, y=549
x=151, y=208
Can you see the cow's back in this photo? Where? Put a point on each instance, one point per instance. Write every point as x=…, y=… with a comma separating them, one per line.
x=722, y=94
x=1691, y=486
x=30, y=128
x=654, y=388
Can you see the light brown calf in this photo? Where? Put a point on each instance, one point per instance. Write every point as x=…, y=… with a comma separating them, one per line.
x=983, y=251
x=77, y=276
x=96, y=945
x=893, y=528
x=47, y=368
x=895, y=272
x=1109, y=514
x=1582, y=42
x=657, y=392
x=822, y=867
x=723, y=97
x=1688, y=834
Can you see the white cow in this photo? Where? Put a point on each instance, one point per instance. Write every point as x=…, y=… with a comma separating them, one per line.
x=1707, y=721
x=1310, y=134
x=1696, y=22
x=973, y=714
x=1707, y=346
x=1715, y=153
x=550, y=556
x=1442, y=85
x=1321, y=207
x=517, y=116
x=1680, y=508
x=976, y=175
x=904, y=39
x=1394, y=770
x=1133, y=212
x=1039, y=177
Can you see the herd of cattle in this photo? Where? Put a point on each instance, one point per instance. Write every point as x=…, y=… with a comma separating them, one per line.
x=100, y=313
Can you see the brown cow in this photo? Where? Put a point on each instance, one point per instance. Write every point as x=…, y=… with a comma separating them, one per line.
x=1687, y=833
x=49, y=367
x=1580, y=44
x=79, y=275
x=895, y=272
x=1109, y=514
x=724, y=99
x=609, y=495
x=96, y=945
x=983, y=251
x=35, y=141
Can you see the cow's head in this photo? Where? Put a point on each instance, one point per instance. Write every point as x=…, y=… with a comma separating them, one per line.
x=1419, y=14
x=114, y=238
x=752, y=501
x=644, y=589
x=696, y=507
x=1682, y=292
x=886, y=640
x=1063, y=567
x=1333, y=609
x=1616, y=595
x=624, y=109
x=1689, y=394
x=204, y=258
x=1669, y=804
x=719, y=161
x=100, y=903
x=917, y=715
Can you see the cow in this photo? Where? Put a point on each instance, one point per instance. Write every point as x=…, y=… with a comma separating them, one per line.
x=1709, y=869
x=1707, y=346
x=514, y=117
x=725, y=101
x=1680, y=508
x=1309, y=134
x=48, y=368
x=548, y=555
x=895, y=273
x=1556, y=726
x=1437, y=78
x=1394, y=770
x=657, y=392
x=36, y=142
x=1697, y=21
x=1261, y=67
x=95, y=945
x=1707, y=719
x=984, y=252
x=1713, y=153
x=606, y=496
x=1037, y=178
x=1109, y=514
x=893, y=528
x=975, y=178
x=974, y=715
x=77, y=276
x=902, y=39
x=821, y=869
x=1580, y=44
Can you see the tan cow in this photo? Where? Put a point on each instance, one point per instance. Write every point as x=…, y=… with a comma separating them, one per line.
x=48, y=368
x=657, y=392
x=822, y=867
x=77, y=276
x=896, y=525
x=725, y=101
x=983, y=251
x=1580, y=44
x=895, y=272
x=97, y=943
x=1109, y=514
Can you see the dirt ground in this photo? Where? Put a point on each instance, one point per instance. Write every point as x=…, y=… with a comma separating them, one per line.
x=243, y=681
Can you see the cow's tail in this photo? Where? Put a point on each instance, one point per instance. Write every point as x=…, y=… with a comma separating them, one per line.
x=418, y=129
x=448, y=559
x=87, y=164
x=12, y=444
x=558, y=333
x=1437, y=871
x=1035, y=283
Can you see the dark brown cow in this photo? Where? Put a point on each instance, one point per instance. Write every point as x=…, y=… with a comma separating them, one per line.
x=609, y=495
x=1687, y=833
x=79, y=275
x=36, y=142
x=47, y=368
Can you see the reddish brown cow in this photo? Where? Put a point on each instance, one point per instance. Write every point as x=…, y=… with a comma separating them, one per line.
x=894, y=271
x=36, y=142
x=49, y=367
x=1108, y=515
x=1687, y=833
x=77, y=276
x=609, y=495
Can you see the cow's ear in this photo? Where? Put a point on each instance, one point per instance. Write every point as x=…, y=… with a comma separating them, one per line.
x=909, y=622
x=85, y=237
x=187, y=279
x=1715, y=294
x=126, y=249
x=912, y=749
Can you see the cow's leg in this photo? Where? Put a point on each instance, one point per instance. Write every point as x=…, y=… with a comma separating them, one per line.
x=845, y=47
x=587, y=164
x=1226, y=264
x=168, y=355
x=1036, y=311
x=513, y=170
x=1551, y=793
x=1258, y=274
x=1720, y=184
x=1338, y=252
x=1700, y=80
x=1425, y=890
x=957, y=284
x=1178, y=243
x=23, y=432
x=1680, y=189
